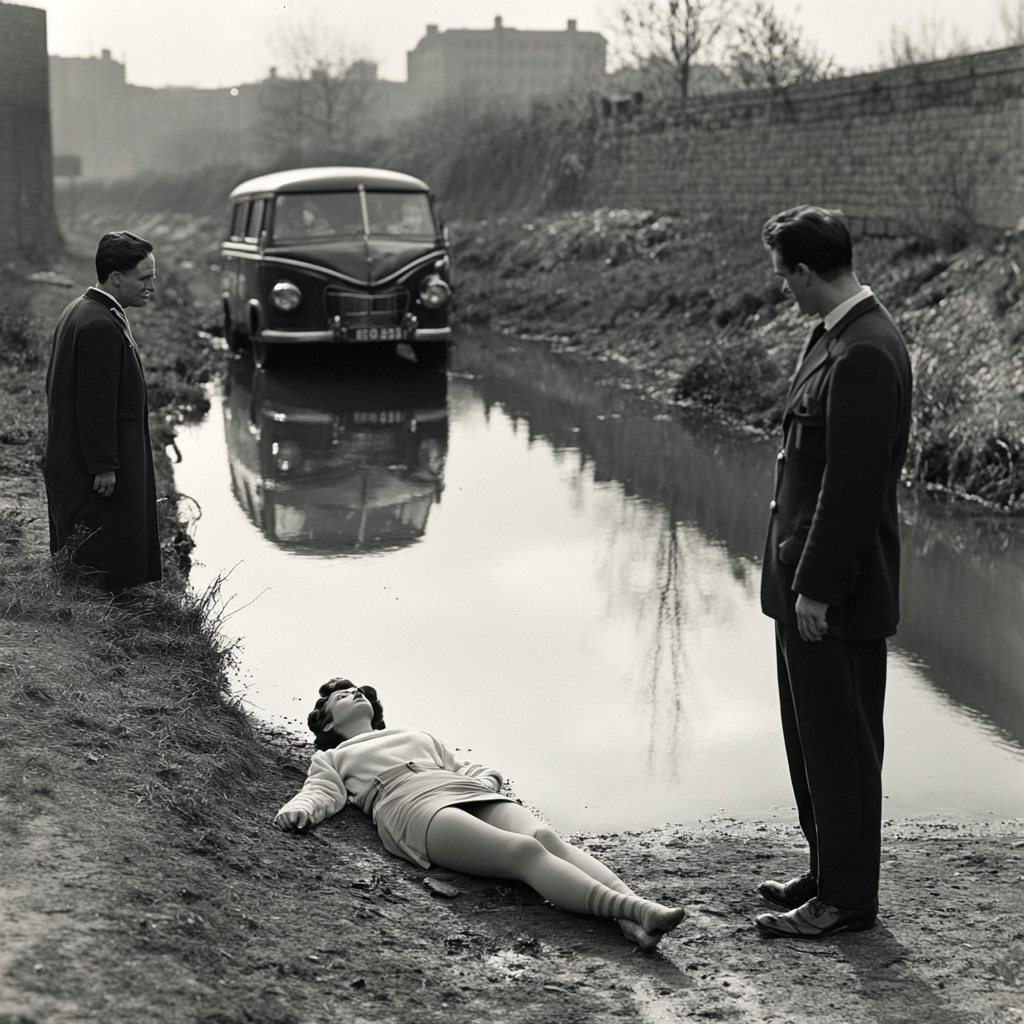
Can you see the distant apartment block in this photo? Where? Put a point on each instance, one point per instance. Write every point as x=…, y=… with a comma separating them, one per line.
x=118, y=130
x=509, y=62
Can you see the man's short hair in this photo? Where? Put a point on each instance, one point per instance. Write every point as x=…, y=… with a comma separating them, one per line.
x=121, y=251
x=814, y=236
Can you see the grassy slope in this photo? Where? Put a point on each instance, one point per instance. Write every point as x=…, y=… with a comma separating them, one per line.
x=693, y=308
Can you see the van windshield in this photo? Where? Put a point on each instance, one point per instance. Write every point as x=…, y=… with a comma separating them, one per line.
x=324, y=216
x=399, y=215
x=317, y=216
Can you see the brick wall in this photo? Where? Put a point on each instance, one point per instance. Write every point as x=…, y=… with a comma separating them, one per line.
x=911, y=147
x=28, y=225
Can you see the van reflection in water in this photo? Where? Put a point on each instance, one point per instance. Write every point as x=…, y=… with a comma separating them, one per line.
x=327, y=462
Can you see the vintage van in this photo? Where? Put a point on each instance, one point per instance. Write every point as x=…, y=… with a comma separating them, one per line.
x=342, y=255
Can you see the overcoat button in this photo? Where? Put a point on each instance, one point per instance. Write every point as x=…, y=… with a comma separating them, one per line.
x=782, y=454
x=772, y=506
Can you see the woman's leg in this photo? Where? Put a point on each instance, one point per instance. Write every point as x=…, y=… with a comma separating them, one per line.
x=516, y=818
x=463, y=842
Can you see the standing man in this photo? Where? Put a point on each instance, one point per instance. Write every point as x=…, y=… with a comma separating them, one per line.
x=99, y=464
x=831, y=570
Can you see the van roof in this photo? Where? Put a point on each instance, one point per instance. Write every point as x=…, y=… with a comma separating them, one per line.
x=330, y=179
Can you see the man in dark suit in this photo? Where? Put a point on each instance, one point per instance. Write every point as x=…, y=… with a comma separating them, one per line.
x=831, y=570
x=98, y=470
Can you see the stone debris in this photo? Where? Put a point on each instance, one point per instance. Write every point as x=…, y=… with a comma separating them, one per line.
x=441, y=888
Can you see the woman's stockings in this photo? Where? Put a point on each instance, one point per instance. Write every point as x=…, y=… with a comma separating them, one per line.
x=463, y=842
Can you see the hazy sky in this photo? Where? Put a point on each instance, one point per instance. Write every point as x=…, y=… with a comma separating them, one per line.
x=226, y=42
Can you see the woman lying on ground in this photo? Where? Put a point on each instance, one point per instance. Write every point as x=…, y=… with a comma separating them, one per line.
x=431, y=808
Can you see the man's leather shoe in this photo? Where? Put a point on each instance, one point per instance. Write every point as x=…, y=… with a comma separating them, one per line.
x=792, y=894
x=815, y=920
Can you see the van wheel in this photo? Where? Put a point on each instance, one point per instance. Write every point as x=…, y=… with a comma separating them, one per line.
x=264, y=356
x=430, y=353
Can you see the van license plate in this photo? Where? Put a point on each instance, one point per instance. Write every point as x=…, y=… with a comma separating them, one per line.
x=379, y=334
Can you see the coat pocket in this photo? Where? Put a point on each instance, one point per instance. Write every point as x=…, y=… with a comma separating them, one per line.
x=126, y=414
x=791, y=549
x=809, y=427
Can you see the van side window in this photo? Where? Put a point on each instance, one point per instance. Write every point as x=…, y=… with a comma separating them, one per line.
x=252, y=230
x=238, y=217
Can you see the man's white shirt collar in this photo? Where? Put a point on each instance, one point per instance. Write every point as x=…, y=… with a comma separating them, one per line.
x=834, y=316
x=97, y=288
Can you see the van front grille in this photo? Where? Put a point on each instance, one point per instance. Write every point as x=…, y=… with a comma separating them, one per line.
x=363, y=309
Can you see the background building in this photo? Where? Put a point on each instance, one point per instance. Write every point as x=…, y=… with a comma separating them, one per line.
x=506, y=62
x=118, y=130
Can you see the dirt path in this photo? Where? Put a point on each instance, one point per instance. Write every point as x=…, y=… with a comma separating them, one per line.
x=142, y=881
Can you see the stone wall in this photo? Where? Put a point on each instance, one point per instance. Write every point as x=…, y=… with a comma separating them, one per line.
x=915, y=148
x=28, y=224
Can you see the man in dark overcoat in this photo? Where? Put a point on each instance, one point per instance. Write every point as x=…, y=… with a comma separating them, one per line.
x=99, y=476
x=831, y=570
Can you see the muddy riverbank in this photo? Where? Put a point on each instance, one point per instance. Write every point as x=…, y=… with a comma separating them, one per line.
x=143, y=880
x=692, y=308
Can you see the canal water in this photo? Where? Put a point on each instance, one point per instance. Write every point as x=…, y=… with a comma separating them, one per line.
x=560, y=578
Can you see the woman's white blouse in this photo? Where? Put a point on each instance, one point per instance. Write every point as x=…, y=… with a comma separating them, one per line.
x=346, y=773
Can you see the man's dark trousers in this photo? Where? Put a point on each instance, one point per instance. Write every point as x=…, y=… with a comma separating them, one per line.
x=836, y=689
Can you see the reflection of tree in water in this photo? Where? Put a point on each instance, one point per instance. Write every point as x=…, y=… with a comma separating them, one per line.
x=661, y=583
x=665, y=658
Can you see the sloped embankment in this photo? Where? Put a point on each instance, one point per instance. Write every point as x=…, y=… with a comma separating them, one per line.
x=691, y=305
x=143, y=880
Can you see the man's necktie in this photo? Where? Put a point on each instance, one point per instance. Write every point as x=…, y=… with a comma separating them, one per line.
x=811, y=342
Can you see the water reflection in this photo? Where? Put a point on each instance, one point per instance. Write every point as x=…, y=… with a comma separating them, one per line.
x=324, y=462
x=583, y=608
x=963, y=607
x=962, y=575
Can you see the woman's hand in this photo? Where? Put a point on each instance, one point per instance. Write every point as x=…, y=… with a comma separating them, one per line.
x=293, y=821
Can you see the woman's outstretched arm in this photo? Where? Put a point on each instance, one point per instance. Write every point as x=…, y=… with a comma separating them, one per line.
x=323, y=794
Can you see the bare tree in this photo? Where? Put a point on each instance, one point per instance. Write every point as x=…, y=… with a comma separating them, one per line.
x=318, y=104
x=768, y=52
x=671, y=35
x=933, y=39
x=1011, y=23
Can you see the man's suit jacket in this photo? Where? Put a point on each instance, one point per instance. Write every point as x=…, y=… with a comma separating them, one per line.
x=98, y=421
x=833, y=535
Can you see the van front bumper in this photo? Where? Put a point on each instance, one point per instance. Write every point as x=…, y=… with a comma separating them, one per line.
x=373, y=334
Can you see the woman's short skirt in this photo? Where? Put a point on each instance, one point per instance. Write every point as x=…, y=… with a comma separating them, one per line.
x=409, y=795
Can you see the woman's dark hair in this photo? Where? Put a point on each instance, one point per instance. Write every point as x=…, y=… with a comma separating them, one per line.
x=816, y=237
x=319, y=722
x=121, y=251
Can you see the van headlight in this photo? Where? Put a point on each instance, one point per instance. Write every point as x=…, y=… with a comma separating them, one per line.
x=285, y=295
x=434, y=292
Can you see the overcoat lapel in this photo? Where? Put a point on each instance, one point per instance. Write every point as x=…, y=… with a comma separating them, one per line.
x=820, y=350
x=120, y=317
